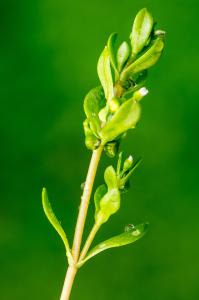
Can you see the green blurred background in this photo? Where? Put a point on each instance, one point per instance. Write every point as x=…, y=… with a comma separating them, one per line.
x=48, y=55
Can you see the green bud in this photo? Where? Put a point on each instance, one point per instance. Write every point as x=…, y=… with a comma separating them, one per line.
x=128, y=163
x=114, y=104
x=146, y=61
x=139, y=94
x=111, y=148
x=91, y=141
x=141, y=31
x=104, y=73
x=125, y=118
x=122, y=55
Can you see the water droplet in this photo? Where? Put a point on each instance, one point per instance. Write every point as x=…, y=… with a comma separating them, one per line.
x=129, y=228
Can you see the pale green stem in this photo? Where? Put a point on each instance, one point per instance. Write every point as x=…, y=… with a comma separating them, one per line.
x=71, y=272
x=89, y=240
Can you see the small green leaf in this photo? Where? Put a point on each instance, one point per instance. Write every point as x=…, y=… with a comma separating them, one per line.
x=55, y=223
x=117, y=241
x=124, y=119
x=122, y=55
x=110, y=177
x=91, y=141
x=99, y=194
x=104, y=73
x=108, y=205
x=147, y=60
x=93, y=103
x=141, y=31
x=111, y=46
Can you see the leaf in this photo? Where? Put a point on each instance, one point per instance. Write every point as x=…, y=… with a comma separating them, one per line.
x=117, y=241
x=55, y=223
x=122, y=55
x=104, y=73
x=125, y=118
x=108, y=205
x=141, y=30
x=110, y=177
x=111, y=46
x=93, y=103
x=146, y=61
x=91, y=141
x=100, y=192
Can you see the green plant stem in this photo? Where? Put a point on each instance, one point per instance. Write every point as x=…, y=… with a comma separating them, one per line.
x=89, y=240
x=71, y=272
x=68, y=283
x=85, y=202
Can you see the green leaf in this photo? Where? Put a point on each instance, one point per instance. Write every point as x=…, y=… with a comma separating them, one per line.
x=111, y=46
x=124, y=119
x=99, y=194
x=122, y=55
x=110, y=177
x=147, y=60
x=117, y=241
x=108, y=205
x=104, y=73
x=55, y=223
x=93, y=103
x=141, y=30
x=91, y=141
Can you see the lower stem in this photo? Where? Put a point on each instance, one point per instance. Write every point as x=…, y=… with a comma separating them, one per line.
x=68, y=283
x=72, y=270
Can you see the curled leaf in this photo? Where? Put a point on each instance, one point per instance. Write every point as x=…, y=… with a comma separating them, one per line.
x=142, y=27
x=104, y=73
x=124, y=119
x=147, y=60
x=123, y=239
x=55, y=223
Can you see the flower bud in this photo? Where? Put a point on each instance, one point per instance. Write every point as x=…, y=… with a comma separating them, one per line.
x=128, y=163
x=138, y=95
x=111, y=148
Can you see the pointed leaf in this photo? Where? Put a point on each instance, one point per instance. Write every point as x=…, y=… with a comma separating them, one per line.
x=122, y=55
x=147, y=60
x=104, y=73
x=141, y=31
x=118, y=241
x=93, y=103
x=125, y=118
x=53, y=220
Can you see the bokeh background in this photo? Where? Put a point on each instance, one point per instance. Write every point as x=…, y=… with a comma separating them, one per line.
x=48, y=55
